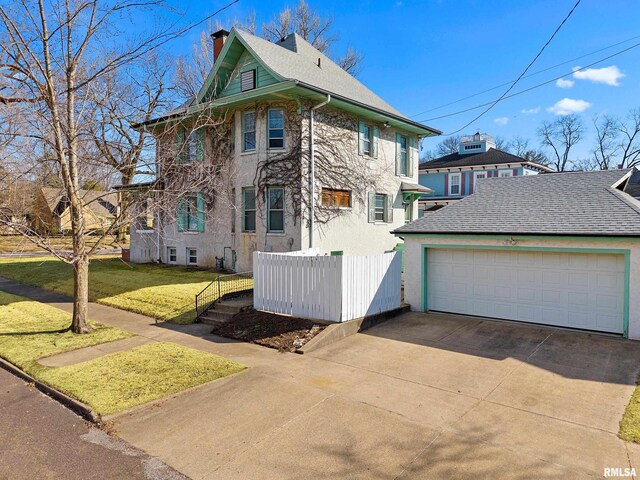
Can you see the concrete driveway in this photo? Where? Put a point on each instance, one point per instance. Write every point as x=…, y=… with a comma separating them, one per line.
x=420, y=396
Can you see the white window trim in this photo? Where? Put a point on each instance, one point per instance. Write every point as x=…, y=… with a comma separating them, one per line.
x=459, y=176
x=284, y=130
x=189, y=262
x=242, y=132
x=475, y=178
x=169, y=255
x=269, y=210
x=505, y=173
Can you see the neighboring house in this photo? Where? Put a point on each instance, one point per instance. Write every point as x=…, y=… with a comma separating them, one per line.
x=276, y=103
x=50, y=210
x=560, y=250
x=454, y=176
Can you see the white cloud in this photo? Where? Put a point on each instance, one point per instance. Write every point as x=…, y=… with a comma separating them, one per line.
x=567, y=106
x=562, y=83
x=501, y=121
x=607, y=75
x=530, y=111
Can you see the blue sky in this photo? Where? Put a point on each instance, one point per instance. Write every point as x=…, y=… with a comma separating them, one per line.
x=419, y=55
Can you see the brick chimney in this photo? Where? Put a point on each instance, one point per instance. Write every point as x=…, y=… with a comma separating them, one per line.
x=219, y=38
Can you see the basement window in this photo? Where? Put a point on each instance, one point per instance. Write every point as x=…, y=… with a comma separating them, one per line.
x=192, y=256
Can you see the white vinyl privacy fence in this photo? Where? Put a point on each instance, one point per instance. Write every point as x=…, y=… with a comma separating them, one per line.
x=337, y=289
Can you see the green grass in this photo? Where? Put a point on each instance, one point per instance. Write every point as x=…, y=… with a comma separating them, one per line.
x=119, y=381
x=21, y=244
x=31, y=330
x=630, y=424
x=165, y=293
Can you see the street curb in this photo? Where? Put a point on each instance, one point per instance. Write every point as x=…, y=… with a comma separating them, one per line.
x=78, y=407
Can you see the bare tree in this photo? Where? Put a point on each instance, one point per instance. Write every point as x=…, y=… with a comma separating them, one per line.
x=607, y=145
x=629, y=131
x=560, y=137
x=52, y=55
x=502, y=144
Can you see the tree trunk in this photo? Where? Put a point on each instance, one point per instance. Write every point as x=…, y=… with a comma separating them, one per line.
x=79, y=324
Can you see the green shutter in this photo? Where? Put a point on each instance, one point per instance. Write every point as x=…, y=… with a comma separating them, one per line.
x=200, y=214
x=412, y=156
x=182, y=214
x=199, y=154
x=374, y=146
x=372, y=207
x=181, y=154
x=388, y=212
x=398, y=153
x=361, y=138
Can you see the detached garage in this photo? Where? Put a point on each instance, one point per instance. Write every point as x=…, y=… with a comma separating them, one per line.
x=555, y=249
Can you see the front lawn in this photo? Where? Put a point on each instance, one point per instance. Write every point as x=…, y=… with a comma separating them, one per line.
x=165, y=293
x=630, y=424
x=30, y=330
x=122, y=380
x=21, y=244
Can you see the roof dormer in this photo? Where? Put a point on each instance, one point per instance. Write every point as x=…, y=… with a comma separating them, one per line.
x=478, y=143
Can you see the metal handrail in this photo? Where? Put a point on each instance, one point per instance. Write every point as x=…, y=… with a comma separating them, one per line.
x=223, y=286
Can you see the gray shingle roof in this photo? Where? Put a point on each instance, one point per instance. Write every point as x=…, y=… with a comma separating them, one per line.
x=296, y=59
x=575, y=203
x=493, y=156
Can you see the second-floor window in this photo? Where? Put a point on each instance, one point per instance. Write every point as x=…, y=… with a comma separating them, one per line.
x=454, y=184
x=380, y=207
x=191, y=213
x=275, y=209
x=249, y=210
x=248, y=131
x=275, y=128
x=189, y=145
x=368, y=139
x=476, y=176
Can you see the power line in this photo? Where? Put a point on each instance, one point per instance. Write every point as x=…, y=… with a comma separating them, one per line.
x=525, y=70
x=535, y=86
x=526, y=76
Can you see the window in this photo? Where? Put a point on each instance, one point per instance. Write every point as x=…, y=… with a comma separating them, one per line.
x=248, y=80
x=275, y=133
x=233, y=210
x=191, y=213
x=367, y=140
x=454, y=184
x=172, y=255
x=401, y=146
x=476, y=176
x=472, y=147
x=506, y=173
x=408, y=212
x=249, y=210
x=189, y=145
x=336, y=198
x=192, y=256
x=275, y=209
x=248, y=131
x=380, y=208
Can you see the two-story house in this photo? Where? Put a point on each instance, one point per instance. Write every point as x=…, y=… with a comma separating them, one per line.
x=454, y=176
x=281, y=150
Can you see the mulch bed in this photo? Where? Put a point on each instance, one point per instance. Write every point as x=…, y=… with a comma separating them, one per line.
x=285, y=334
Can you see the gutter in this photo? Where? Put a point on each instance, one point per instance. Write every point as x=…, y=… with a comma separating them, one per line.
x=312, y=169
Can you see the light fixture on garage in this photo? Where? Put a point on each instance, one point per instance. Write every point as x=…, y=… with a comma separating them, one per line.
x=510, y=241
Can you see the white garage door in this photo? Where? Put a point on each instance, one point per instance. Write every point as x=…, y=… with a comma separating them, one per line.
x=578, y=290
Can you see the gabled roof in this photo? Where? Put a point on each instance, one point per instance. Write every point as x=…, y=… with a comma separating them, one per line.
x=493, y=156
x=100, y=203
x=633, y=184
x=573, y=203
x=296, y=61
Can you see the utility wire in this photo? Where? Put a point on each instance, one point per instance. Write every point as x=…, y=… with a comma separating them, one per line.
x=526, y=76
x=493, y=104
x=636, y=45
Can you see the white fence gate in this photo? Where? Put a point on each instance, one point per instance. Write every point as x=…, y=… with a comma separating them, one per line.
x=336, y=288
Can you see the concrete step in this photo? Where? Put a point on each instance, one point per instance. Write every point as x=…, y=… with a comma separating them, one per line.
x=234, y=305
x=216, y=317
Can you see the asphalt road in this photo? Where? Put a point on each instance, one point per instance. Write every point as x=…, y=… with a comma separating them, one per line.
x=39, y=438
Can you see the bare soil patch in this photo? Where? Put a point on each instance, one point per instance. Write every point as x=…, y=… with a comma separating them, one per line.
x=283, y=333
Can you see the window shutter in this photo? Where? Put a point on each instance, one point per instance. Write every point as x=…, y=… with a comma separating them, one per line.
x=182, y=215
x=200, y=207
x=374, y=146
x=372, y=207
x=180, y=146
x=361, y=138
x=388, y=211
x=398, y=153
x=199, y=154
x=412, y=156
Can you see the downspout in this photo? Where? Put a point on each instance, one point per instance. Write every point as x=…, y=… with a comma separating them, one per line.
x=312, y=170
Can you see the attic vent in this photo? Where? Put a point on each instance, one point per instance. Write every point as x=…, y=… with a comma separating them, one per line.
x=248, y=80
